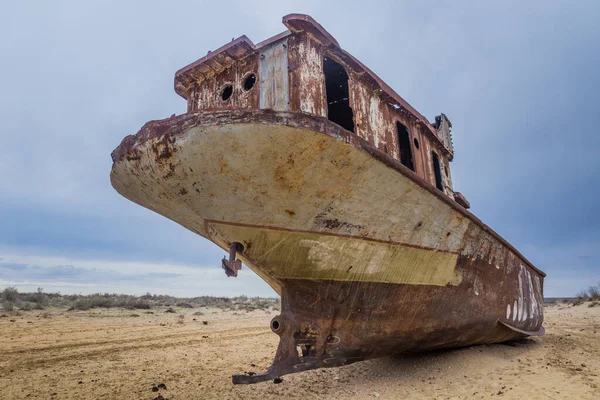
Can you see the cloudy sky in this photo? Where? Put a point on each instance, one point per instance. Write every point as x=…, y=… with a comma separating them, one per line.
x=519, y=80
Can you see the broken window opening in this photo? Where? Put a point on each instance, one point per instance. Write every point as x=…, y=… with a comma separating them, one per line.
x=226, y=92
x=249, y=82
x=338, y=98
x=406, y=157
x=437, y=171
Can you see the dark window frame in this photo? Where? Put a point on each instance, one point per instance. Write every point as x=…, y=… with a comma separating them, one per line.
x=437, y=171
x=337, y=94
x=405, y=146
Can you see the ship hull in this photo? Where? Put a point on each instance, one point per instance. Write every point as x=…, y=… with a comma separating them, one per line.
x=369, y=259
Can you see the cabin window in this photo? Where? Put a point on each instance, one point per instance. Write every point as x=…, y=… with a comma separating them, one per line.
x=249, y=82
x=338, y=98
x=226, y=92
x=437, y=171
x=404, y=143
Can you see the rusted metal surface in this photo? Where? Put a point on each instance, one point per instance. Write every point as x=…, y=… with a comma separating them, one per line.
x=211, y=64
x=307, y=83
x=274, y=80
x=207, y=94
x=369, y=257
x=460, y=199
x=233, y=264
x=157, y=143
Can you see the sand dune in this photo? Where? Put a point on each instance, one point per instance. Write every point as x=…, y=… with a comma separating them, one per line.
x=113, y=354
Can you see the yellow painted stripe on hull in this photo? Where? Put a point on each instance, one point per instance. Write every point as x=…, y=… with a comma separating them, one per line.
x=284, y=254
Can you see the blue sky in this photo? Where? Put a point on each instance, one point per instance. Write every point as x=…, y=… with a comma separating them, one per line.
x=519, y=82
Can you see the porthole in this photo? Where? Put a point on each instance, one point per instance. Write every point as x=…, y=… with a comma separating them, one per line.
x=416, y=142
x=226, y=92
x=249, y=82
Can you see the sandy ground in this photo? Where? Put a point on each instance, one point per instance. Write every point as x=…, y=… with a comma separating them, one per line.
x=117, y=355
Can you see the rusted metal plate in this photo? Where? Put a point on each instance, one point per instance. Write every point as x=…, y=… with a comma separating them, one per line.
x=307, y=83
x=160, y=149
x=274, y=82
x=207, y=94
x=209, y=65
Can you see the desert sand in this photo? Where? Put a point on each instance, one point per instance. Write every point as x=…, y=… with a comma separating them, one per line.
x=124, y=354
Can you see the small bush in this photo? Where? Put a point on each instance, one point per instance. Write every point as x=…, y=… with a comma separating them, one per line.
x=582, y=295
x=181, y=319
x=594, y=292
x=39, y=298
x=26, y=306
x=8, y=306
x=84, y=305
x=10, y=293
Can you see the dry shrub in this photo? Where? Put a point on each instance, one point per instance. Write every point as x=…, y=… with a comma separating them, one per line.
x=594, y=292
x=578, y=301
x=10, y=293
x=39, y=300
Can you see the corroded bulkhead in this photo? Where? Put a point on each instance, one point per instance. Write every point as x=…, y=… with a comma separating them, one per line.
x=317, y=176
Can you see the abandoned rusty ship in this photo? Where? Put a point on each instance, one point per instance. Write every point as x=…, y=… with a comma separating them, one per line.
x=306, y=167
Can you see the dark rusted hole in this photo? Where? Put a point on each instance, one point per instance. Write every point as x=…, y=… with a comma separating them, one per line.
x=227, y=92
x=275, y=325
x=239, y=247
x=249, y=82
x=416, y=142
x=303, y=350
